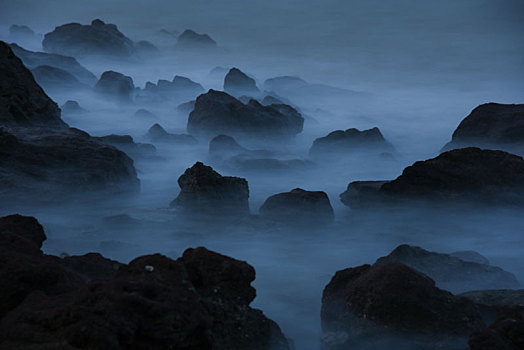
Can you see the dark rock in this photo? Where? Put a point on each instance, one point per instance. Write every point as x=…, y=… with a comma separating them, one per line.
x=191, y=40
x=237, y=83
x=245, y=99
x=203, y=191
x=115, y=85
x=72, y=107
x=158, y=134
x=22, y=101
x=505, y=333
x=179, y=89
x=219, y=113
x=491, y=125
x=250, y=162
x=363, y=194
x=497, y=298
x=92, y=266
x=69, y=64
x=225, y=146
x=270, y=100
x=126, y=144
x=144, y=114
x=377, y=306
x=52, y=78
x=351, y=141
x=464, y=175
x=449, y=272
x=97, y=39
x=471, y=255
x=299, y=207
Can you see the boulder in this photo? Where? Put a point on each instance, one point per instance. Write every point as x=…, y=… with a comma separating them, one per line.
x=145, y=47
x=52, y=78
x=507, y=332
x=450, y=272
x=491, y=125
x=144, y=114
x=158, y=134
x=179, y=89
x=114, y=85
x=96, y=39
x=470, y=175
x=203, y=191
x=299, y=207
x=238, y=83
x=72, y=107
x=125, y=143
x=350, y=142
x=192, y=40
x=219, y=113
x=224, y=146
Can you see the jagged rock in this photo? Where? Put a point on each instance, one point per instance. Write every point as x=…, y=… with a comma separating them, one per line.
x=72, y=107
x=245, y=99
x=192, y=40
x=158, y=134
x=449, y=272
x=219, y=113
x=69, y=64
x=126, y=144
x=237, y=83
x=470, y=255
x=463, y=175
x=393, y=306
x=225, y=146
x=52, y=78
x=351, y=141
x=203, y=191
x=491, y=125
x=299, y=207
x=200, y=301
x=115, y=85
x=98, y=39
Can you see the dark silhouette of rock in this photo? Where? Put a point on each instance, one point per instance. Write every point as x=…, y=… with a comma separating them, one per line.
x=203, y=191
x=251, y=162
x=97, y=39
x=200, y=301
x=179, y=89
x=351, y=141
x=69, y=64
x=299, y=207
x=507, y=332
x=116, y=86
x=225, y=146
x=145, y=47
x=497, y=298
x=52, y=78
x=72, y=107
x=121, y=222
x=389, y=304
x=237, y=83
x=491, y=125
x=470, y=255
x=158, y=134
x=463, y=175
x=192, y=40
x=270, y=100
x=449, y=272
x=16, y=30
x=219, y=113
x=186, y=107
x=126, y=144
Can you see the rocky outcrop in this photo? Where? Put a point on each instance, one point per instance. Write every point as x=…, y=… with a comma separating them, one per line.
x=224, y=146
x=238, y=83
x=72, y=107
x=186, y=107
x=491, y=125
x=391, y=305
x=350, y=142
x=117, y=86
x=219, y=113
x=52, y=78
x=200, y=301
x=96, y=39
x=299, y=207
x=507, y=332
x=192, y=40
x=450, y=272
x=179, y=89
x=125, y=143
x=203, y=191
x=158, y=134
x=463, y=175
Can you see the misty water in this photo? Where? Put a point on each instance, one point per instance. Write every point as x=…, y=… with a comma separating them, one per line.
x=415, y=70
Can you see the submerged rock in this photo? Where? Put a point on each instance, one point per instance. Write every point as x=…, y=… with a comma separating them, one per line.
x=225, y=146
x=507, y=332
x=237, y=83
x=299, y=207
x=203, y=191
x=192, y=40
x=158, y=134
x=116, y=86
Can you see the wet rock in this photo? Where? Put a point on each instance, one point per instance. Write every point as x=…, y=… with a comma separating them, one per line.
x=144, y=114
x=350, y=142
x=52, y=78
x=391, y=304
x=491, y=125
x=449, y=272
x=238, y=83
x=125, y=143
x=96, y=39
x=158, y=134
x=203, y=191
x=299, y=207
x=219, y=113
x=33, y=59
x=72, y=107
x=92, y=266
x=192, y=40
x=114, y=85
x=470, y=175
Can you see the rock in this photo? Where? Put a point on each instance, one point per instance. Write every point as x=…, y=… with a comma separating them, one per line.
x=72, y=107
x=237, y=83
x=491, y=125
x=350, y=142
x=380, y=305
x=69, y=64
x=363, y=194
x=203, y=191
x=497, y=298
x=144, y=114
x=250, y=162
x=225, y=146
x=186, y=107
x=116, y=86
x=92, y=266
x=179, y=89
x=505, y=333
x=21, y=31
x=121, y=221
x=271, y=100
x=22, y=102
x=97, y=39
x=284, y=83
x=449, y=272
x=299, y=207
x=158, y=134
x=470, y=255
x=219, y=113
x=145, y=47
x=463, y=175
x=126, y=144
x=52, y=78
x=192, y=40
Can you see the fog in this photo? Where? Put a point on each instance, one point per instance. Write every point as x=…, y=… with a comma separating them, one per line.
x=412, y=68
